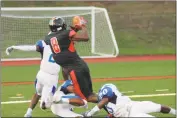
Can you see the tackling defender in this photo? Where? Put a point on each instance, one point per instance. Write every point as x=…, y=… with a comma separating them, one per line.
x=61, y=42
x=47, y=77
x=119, y=105
x=63, y=106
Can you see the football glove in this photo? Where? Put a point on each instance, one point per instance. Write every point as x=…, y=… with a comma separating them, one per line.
x=9, y=50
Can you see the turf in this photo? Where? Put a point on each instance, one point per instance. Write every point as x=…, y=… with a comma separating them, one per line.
x=123, y=69
x=99, y=70
x=140, y=87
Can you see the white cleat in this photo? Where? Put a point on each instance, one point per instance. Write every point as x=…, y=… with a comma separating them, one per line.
x=28, y=116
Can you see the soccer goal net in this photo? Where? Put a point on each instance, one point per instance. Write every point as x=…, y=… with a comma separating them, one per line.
x=24, y=26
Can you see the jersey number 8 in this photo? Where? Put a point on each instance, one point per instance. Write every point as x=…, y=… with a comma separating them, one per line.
x=55, y=46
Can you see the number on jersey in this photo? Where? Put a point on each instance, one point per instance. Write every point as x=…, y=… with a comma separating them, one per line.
x=51, y=59
x=55, y=45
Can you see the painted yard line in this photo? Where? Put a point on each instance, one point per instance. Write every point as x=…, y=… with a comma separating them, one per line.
x=17, y=97
x=100, y=79
x=131, y=96
x=127, y=92
x=152, y=95
x=16, y=102
x=161, y=90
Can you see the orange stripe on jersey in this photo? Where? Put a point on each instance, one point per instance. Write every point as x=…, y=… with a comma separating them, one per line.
x=77, y=89
x=72, y=33
x=71, y=47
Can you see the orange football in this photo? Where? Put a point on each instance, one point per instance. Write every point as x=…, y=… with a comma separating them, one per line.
x=76, y=22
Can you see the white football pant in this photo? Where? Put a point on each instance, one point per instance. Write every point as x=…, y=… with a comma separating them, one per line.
x=46, y=85
x=142, y=109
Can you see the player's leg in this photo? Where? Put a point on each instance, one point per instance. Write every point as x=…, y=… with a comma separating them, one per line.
x=140, y=115
x=93, y=97
x=79, y=84
x=151, y=107
x=50, y=83
x=47, y=96
x=34, y=99
x=64, y=94
x=82, y=85
x=65, y=74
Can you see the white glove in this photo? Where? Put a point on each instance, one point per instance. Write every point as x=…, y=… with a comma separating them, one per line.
x=83, y=21
x=9, y=50
x=28, y=115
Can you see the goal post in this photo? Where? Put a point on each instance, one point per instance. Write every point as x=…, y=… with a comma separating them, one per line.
x=26, y=25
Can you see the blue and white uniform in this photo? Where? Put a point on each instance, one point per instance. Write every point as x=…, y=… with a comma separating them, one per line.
x=122, y=106
x=48, y=75
x=65, y=109
x=116, y=99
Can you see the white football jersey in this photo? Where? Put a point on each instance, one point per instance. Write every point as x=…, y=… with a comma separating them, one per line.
x=48, y=64
x=115, y=97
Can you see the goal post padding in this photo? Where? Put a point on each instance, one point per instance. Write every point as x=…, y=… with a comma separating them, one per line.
x=23, y=26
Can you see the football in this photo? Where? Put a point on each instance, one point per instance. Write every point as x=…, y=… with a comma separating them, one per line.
x=77, y=22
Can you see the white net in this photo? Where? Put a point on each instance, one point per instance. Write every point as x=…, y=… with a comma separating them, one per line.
x=26, y=26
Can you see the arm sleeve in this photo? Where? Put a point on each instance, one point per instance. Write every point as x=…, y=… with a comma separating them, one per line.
x=25, y=47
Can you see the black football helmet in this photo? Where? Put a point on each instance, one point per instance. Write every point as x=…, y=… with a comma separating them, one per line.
x=57, y=24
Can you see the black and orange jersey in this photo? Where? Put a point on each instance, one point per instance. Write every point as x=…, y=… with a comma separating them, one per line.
x=60, y=41
x=63, y=49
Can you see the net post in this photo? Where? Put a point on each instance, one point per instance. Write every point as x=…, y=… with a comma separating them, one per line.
x=93, y=30
x=112, y=33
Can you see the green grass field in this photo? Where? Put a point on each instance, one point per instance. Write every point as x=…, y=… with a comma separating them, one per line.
x=140, y=28
x=123, y=69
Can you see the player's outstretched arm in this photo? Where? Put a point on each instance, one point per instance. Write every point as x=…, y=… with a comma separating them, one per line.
x=21, y=47
x=97, y=108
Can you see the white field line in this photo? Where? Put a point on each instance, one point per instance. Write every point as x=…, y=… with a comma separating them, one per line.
x=131, y=96
x=17, y=97
x=161, y=90
x=127, y=92
x=152, y=95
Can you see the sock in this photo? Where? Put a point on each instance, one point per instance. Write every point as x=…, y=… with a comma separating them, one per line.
x=172, y=111
x=29, y=111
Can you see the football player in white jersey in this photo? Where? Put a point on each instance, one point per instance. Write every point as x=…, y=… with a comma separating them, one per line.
x=119, y=105
x=67, y=100
x=46, y=78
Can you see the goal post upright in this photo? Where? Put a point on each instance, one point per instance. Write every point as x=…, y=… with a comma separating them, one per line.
x=93, y=30
x=112, y=32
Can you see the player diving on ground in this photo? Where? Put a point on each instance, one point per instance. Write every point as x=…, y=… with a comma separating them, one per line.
x=64, y=100
x=119, y=105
